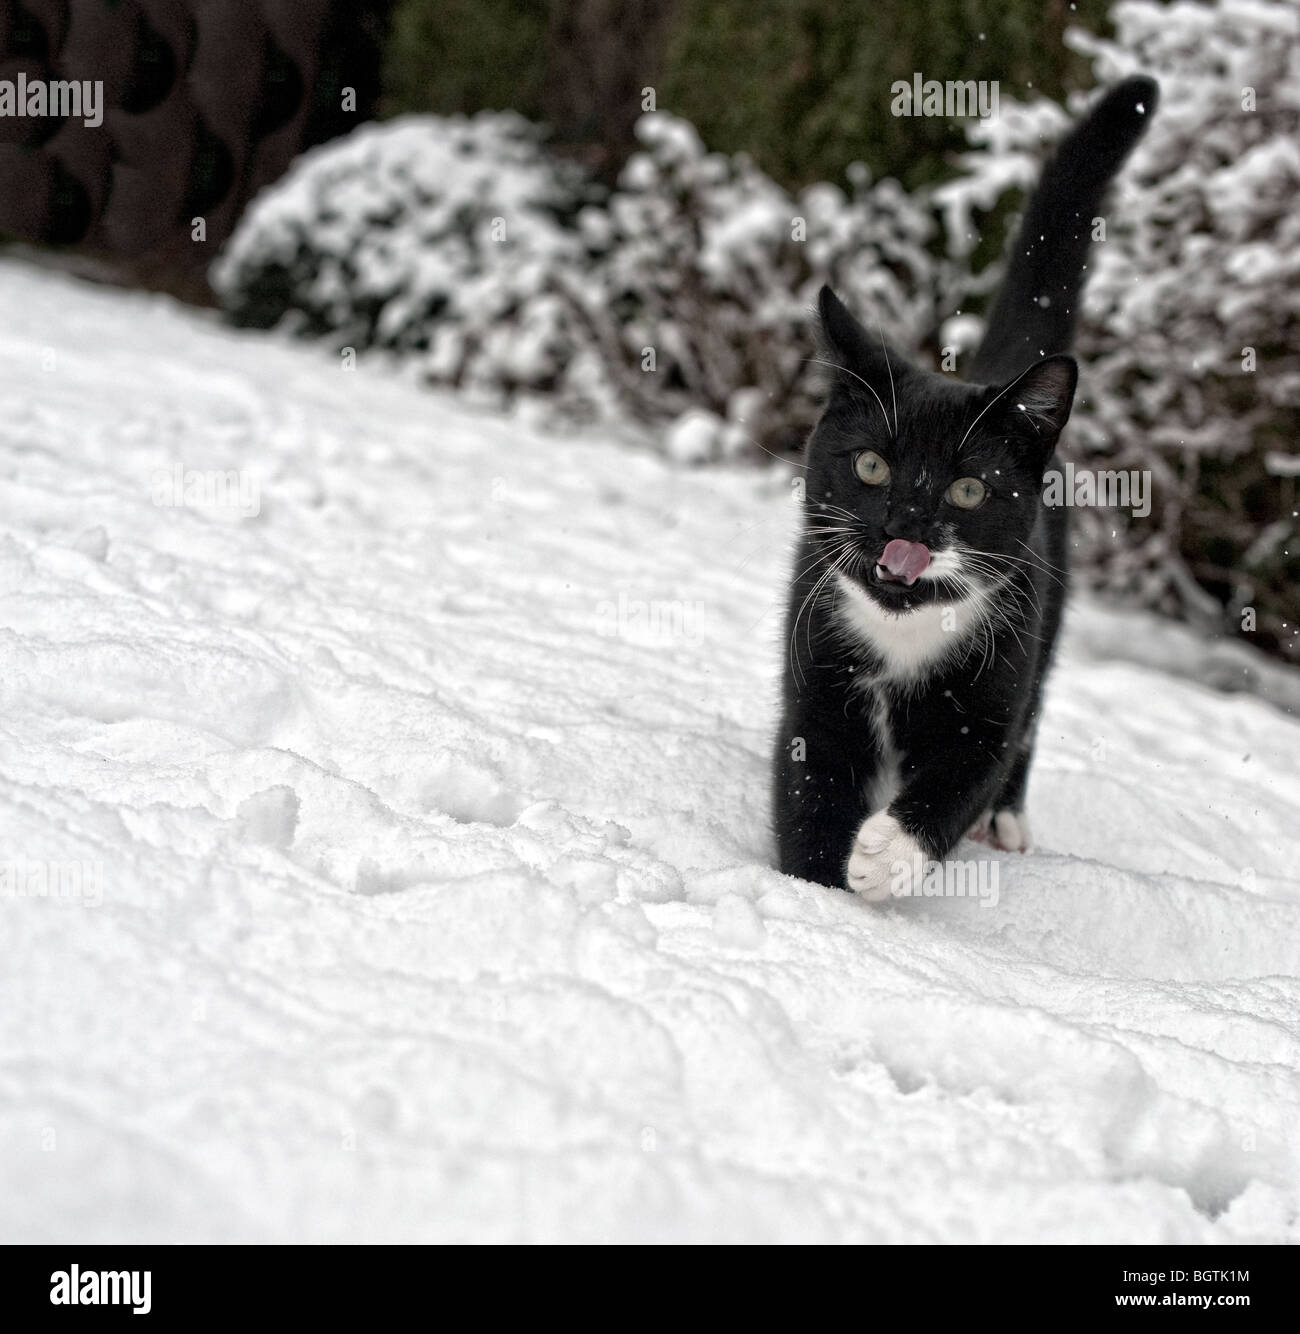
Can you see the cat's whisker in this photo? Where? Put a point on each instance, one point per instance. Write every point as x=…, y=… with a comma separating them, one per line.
x=1004, y=390
x=746, y=531
x=831, y=571
x=825, y=507
x=831, y=559
x=822, y=552
x=1014, y=598
x=1042, y=562
x=981, y=562
x=991, y=647
x=780, y=458
x=834, y=365
x=996, y=614
x=1046, y=567
x=1042, y=569
x=892, y=393
x=1003, y=617
x=1003, y=581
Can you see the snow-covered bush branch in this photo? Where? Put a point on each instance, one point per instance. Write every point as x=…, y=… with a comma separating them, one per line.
x=439, y=239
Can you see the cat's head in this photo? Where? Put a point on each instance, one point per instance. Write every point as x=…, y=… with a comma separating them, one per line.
x=919, y=487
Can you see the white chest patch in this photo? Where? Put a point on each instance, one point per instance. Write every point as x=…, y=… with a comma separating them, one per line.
x=910, y=643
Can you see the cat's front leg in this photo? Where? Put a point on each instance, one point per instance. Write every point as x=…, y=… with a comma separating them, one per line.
x=826, y=761
x=937, y=802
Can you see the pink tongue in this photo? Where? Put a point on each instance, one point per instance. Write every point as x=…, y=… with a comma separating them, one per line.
x=905, y=560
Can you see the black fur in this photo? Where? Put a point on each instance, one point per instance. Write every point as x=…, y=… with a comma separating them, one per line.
x=962, y=731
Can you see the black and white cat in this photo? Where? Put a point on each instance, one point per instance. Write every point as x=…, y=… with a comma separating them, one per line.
x=930, y=575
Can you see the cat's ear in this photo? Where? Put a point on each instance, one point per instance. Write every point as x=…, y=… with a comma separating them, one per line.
x=841, y=335
x=1038, y=402
x=857, y=355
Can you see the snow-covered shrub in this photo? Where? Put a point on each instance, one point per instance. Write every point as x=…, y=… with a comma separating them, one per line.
x=1190, y=341
x=434, y=238
x=709, y=271
x=683, y=297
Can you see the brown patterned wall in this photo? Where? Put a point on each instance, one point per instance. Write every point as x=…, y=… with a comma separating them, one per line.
x=205, y=102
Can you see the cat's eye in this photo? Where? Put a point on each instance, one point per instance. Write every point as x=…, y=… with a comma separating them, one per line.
x=967, y=493
x=871, y=468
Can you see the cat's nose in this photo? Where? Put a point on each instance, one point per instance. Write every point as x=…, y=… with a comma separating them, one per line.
x=909, y=527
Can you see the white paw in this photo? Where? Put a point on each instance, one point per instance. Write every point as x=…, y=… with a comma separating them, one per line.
x=884, y=859
x=1011, y=830
x=1005, y=829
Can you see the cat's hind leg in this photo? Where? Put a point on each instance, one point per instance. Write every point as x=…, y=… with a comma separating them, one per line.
x=1004, y=825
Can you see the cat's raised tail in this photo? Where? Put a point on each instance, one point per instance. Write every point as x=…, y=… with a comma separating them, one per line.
x=1035, y=312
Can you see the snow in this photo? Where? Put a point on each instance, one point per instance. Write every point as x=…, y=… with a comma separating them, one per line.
x=692, y=438
x=412, y=839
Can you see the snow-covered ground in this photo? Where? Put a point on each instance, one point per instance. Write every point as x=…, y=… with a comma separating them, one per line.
x=420, y=827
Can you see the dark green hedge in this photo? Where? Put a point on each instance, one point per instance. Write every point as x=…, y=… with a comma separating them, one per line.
x=802, y=85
